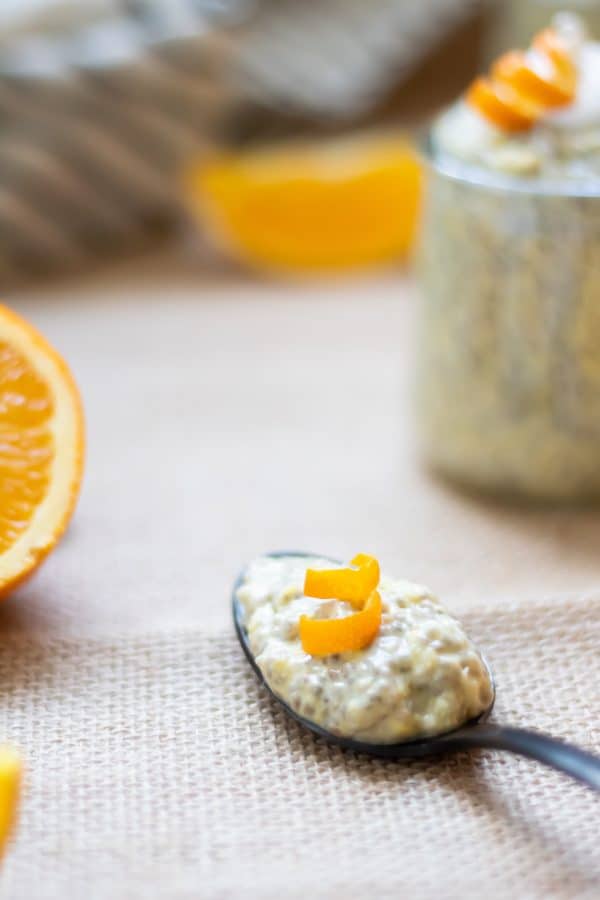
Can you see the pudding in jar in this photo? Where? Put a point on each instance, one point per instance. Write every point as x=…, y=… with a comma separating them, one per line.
x=509, y=351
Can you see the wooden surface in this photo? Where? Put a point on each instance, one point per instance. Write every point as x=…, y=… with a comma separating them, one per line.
x=228, y=416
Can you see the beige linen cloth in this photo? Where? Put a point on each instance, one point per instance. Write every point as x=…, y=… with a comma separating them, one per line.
x=228, y=417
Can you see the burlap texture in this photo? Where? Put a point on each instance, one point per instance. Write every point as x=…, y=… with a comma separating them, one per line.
x=159, y=768
x=218, y=416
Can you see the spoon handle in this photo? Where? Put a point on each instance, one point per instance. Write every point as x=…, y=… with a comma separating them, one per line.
x=579, y=764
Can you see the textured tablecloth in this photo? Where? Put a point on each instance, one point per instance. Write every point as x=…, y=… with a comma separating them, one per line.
x=227, y=417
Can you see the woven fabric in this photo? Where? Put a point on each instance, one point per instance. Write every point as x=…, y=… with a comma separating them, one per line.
x=159, y=768
x=218, y=416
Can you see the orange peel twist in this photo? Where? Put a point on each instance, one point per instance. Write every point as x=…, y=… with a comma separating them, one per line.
x=352, y=585
x=322, y=637
x=518, y=91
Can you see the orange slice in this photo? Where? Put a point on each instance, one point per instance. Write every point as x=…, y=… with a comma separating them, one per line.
x=41, y=448
x=326, y=205
x=515, y=70
x=11, y=770
x=502, y=105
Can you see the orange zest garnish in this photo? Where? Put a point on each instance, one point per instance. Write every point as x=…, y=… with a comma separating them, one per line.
x=352, y=585
x=550, y=43
x=518, y=92
x=324, y=205
x=502, y=105
x=514, y=70
x=11, y=769
x=322, y=637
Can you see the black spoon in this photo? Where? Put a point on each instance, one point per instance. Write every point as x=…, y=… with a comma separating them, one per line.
x=579, y=764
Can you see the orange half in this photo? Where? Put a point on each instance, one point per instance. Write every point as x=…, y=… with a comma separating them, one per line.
x=41, y=448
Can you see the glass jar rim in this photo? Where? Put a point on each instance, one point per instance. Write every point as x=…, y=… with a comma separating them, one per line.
x=475, y=175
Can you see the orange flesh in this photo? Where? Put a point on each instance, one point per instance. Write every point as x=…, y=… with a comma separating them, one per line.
x=516, y=95
x=26, y=443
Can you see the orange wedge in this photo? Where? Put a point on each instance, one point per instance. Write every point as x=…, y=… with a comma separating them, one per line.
x=41, y=448
x=352, y=585
x=327, y=205
x=11, y=769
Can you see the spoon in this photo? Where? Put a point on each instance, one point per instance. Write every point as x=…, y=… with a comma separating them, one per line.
x=583, y=766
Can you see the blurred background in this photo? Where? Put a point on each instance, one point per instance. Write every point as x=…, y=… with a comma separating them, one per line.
x=108, y=106
x=105, y=105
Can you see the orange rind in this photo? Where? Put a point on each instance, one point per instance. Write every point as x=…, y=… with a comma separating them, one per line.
x=323, y=637
x=11, y=771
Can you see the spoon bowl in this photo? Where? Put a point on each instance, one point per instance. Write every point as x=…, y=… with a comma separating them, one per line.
x=477, y=732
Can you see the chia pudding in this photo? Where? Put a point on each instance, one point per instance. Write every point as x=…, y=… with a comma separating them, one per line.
x=509, y=352
x=421, y=675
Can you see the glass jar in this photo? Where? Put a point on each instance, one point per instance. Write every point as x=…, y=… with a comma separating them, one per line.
x=509, y=348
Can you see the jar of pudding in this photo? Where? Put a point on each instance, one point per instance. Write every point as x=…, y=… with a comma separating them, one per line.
x=509, y=348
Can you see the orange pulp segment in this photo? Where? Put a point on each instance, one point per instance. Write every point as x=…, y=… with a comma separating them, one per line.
x=41, y=448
